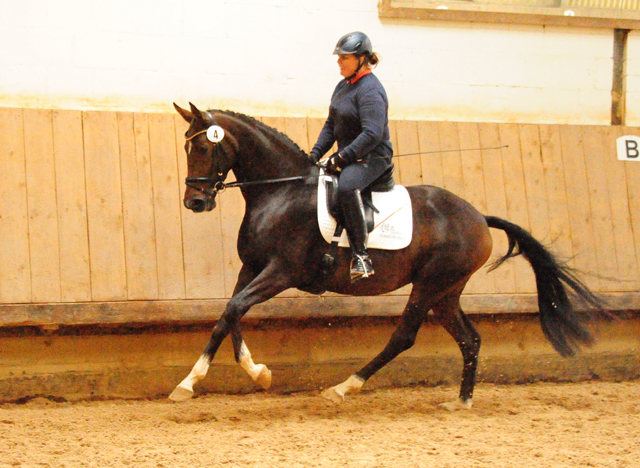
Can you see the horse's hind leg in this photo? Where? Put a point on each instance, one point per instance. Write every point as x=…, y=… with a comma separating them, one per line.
x=402, y=339
x=258, y=372
x=450, y=316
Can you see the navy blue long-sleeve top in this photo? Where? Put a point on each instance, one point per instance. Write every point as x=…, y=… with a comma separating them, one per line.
x=358, y=120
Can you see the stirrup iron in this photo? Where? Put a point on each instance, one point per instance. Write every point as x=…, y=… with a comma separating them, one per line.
x=361, y=267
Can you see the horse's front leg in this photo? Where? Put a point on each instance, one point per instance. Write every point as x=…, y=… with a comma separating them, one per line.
x=250, y=290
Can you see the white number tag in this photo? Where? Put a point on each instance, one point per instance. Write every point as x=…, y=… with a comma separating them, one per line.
x=215, y=134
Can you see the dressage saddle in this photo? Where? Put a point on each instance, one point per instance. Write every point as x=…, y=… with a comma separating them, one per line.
x=384, y=183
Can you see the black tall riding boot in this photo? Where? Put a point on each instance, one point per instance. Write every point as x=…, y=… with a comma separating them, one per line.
x=356, y=226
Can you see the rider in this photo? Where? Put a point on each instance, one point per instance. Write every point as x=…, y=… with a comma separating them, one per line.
x=358, y=121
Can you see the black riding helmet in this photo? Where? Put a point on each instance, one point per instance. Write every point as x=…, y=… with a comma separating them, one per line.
x=355, y=43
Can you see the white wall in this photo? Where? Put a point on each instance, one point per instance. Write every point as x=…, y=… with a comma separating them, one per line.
x=633, y=78
x=273, y=57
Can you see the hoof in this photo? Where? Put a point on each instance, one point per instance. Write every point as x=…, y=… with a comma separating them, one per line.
x=264, y=377
x=456, y=405
x=332, y=395
x=181, y=394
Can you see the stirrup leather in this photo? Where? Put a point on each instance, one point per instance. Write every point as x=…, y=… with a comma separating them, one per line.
x=361, y=267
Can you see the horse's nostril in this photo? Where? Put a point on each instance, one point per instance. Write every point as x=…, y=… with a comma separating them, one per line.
x=195, y=205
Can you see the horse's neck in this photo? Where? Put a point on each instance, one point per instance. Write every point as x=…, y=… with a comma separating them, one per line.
x=261, y=158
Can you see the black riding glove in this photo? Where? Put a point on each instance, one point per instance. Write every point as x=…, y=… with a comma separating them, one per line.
x=313, y=158
x=335, y=164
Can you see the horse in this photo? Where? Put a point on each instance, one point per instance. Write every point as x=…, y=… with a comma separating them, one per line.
x=281, y=247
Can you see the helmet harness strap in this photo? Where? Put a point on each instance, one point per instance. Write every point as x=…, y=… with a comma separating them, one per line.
x=361, y=63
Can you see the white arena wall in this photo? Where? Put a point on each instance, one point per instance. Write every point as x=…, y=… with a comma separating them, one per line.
x=273, y=58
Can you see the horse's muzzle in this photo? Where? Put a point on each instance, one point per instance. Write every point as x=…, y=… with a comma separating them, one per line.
x=200, y=204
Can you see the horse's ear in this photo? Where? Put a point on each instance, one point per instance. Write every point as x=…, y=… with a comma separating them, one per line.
x=186, y=115
x=203, y=117
x=195, y=111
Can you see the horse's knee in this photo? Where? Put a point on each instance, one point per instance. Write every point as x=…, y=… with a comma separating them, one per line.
x=222, y=327
x=219, y=333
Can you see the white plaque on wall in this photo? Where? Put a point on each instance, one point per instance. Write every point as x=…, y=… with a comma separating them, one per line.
x=628, y=148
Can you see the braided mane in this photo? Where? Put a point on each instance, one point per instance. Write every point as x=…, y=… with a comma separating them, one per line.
x=253, y=122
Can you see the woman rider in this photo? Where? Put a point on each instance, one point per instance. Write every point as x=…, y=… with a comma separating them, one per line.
x=358, y=121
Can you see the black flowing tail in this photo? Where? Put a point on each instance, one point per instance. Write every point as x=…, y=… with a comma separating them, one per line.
x=560, y=324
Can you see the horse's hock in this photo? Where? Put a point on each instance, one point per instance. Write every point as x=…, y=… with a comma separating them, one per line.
x=118, y=297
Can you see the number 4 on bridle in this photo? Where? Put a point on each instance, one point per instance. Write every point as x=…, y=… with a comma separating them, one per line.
x=281, y=247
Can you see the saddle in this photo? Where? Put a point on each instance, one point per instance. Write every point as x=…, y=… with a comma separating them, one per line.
x=384, y=183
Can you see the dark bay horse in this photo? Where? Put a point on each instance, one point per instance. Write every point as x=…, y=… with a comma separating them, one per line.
x=281, y=247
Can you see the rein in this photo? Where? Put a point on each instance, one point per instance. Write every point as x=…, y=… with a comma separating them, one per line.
x=221, y=186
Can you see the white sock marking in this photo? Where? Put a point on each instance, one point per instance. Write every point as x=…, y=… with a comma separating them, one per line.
x=337, y=393
x=458, y=404
x=184, y=390
x=258, y=372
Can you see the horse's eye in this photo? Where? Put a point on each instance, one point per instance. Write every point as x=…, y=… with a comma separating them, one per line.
x=203, y=150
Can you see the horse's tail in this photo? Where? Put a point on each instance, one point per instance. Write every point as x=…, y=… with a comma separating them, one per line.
x=560, y=324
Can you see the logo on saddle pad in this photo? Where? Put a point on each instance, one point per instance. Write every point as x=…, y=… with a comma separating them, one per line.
x=392, y=225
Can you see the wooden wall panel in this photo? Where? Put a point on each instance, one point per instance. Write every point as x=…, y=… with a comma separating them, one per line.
x=559, y=228
x=75, y=270
x=167, y=202
x=41, y=202
x=504, y=277
x=474, y=193
x=104, y=207
x=471, y=159
x=275, y=122
x=595, y=157
x=431, y=157
x=296, y=129
x=516, y=196
x=632, y=172
x=534, y=182
x=15, y=267
x=451, y=162
x=314, y=127
x=92, y=203
x=407, y=149
x=393, y=137
x=137, y=207
x=622, y=180
x=627, y=274
x=578, y=204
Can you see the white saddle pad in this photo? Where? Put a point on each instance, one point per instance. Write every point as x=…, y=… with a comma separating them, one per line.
x=393, y=226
